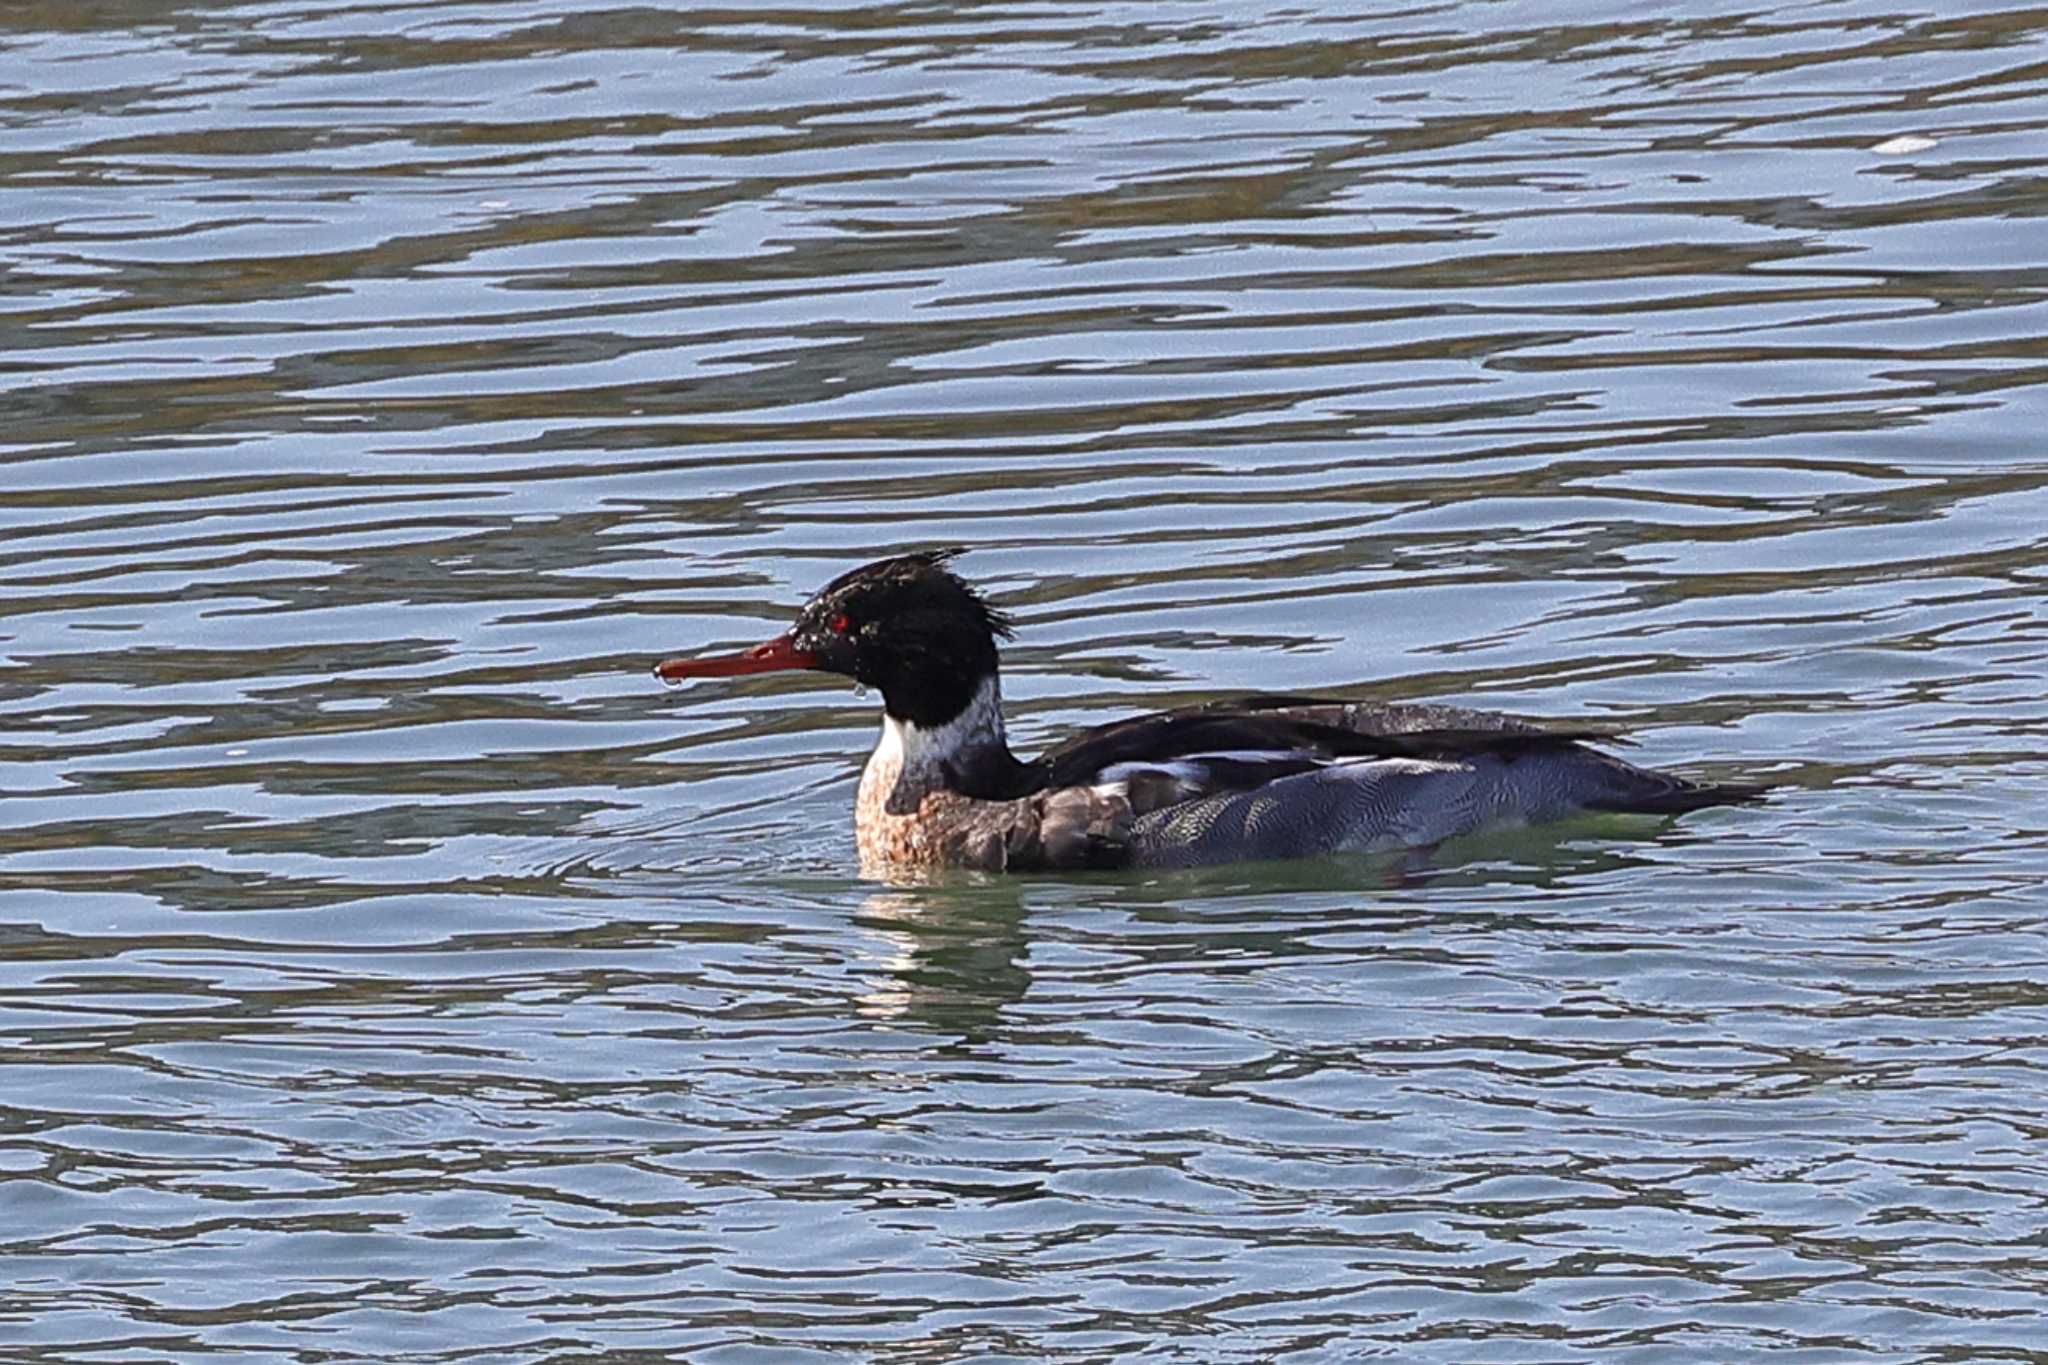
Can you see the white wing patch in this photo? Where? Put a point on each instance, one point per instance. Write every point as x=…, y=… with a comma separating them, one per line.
x=1197, y=768
x=1150, y=786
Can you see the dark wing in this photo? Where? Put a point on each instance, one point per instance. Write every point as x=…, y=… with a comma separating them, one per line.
x=1094, y=800
x=1268, y=736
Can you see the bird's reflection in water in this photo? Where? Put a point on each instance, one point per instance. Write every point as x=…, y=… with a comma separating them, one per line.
x=950, y=951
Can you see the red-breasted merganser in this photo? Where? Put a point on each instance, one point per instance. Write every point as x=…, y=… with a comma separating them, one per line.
x=1253, y=777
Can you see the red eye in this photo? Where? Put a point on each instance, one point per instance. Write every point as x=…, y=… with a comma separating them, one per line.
x=841, y=623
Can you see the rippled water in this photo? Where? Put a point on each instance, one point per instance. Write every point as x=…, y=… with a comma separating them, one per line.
x=390, y=970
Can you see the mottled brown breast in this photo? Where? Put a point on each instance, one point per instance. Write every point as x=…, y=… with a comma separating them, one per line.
x=900, y=827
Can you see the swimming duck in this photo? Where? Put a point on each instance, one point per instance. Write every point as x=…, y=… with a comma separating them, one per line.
x=1253, y=777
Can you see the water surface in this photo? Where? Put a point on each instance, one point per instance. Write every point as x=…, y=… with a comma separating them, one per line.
x=390, y=970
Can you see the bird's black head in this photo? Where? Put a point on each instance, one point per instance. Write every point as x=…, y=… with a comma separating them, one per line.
x=906, y=625
x=909, y=627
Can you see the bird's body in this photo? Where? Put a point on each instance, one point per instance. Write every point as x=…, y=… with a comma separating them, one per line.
x=1255, y=777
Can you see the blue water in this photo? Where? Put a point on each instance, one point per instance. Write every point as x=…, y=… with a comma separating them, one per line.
x=391, y=971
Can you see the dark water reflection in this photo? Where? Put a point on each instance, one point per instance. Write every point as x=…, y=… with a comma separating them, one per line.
x=389, y=971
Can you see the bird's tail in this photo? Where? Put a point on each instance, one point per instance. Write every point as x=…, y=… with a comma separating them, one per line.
x=1677, y=795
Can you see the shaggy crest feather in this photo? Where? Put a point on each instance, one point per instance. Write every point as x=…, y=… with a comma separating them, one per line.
x=907, y=571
